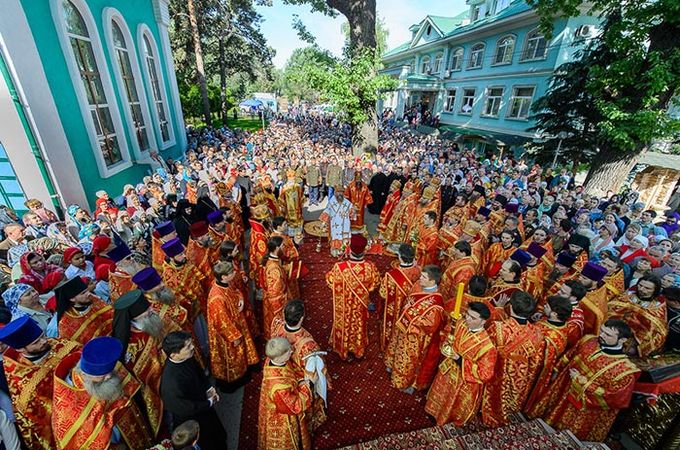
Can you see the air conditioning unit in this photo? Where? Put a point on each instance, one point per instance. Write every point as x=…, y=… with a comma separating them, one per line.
x=447, y=74
x=585, y=31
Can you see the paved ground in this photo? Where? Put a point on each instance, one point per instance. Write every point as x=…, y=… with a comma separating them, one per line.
x=229, y=408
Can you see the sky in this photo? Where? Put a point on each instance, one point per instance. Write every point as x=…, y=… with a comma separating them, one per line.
x=399, y=15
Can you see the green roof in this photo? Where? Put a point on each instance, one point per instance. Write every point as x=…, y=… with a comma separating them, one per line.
x=451, y=26
x=421, y=77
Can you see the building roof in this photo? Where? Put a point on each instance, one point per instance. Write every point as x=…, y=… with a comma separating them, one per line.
x=452, y=26
x=664, y=160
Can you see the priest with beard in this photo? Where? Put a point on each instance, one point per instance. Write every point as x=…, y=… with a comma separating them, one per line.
x=120, y=275
x=29, y=364
x=141, y=330
x=81, y=315
x=95, y=403
x=187, y=393
x=163, y=299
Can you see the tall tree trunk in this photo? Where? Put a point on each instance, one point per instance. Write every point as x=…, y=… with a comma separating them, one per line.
x=361, y=17
x=223, y=81
x=200, y=67
x=609, y=169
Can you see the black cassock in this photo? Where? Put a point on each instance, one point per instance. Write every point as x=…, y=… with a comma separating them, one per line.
x=183, y=390
x=379, y=187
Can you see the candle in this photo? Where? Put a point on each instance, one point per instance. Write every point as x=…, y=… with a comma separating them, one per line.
x=459, y=301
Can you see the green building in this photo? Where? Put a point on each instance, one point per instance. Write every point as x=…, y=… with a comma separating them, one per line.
x=87, y=92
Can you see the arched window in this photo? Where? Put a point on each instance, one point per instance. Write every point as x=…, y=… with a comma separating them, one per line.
x=84, y=55
x=438, y=60
x=504, y=49
x=476, y=56
x=456, y=61
x=535, y=46
x=425, y=65
x=129, y=78
x=157, y=87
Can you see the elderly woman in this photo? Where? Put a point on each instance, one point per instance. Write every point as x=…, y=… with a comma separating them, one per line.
x=604, y=241
x=23, y=300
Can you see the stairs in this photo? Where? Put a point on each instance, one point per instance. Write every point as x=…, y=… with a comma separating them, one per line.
x=520, y=434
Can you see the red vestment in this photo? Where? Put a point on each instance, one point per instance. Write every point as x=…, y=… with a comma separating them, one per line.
x=351, y=283
x=459, y=271
x=615, y=285
x=456, y=393
x=532, y=280
x=290, y=203
x=594, y=306
x=283, y=402
x=388, y=210
x=360, y=197
x=97, y=321
x=413, y=351
x=258, y=248
x=186, y=282
x=80, y=421
x=520, y=357
x=227, y=324
x=202, y=258
x=275, y=294
x=589, y=409
x=394, y=289
x=556, y=339
x=426, y=248
x=494, y=258
x=120, y=283
x=403, y=214
x=157, y=254
x=30, y=387
x=646, y=319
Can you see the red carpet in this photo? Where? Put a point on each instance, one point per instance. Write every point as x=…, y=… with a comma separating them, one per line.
x=362, y=405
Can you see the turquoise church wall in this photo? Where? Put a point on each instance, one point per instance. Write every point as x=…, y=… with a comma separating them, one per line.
x=135, y=12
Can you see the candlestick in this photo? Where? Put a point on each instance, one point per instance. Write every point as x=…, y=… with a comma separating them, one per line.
x=459, y=301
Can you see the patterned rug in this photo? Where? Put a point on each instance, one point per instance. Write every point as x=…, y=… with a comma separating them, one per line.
x=362, y=404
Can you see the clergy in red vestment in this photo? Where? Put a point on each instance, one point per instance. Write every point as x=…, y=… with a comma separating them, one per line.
x=163, y=232
x=595, y=383
x=141, y=331
x=413, y=352
x=93, y=403
x=594, y=304
x=553, y=327
x=120, y=277
x=461, y=269
x=229, y=252
x=81, y=315
x=395, y=288
x=469, y=361
x=535, y=271
x=259, y=234
x=290, y=257
x=360, y=196
x=275, y=292
x=284, y=399
x=574, y=291
x=201, y=251
x=449, y=233
x=306, y=360
x=497, y=214
x=161, y=297
x=232, y=348
x=508, y=281
x=645, y=312
x=562, y=271
x=29, y=366
x=390, y=206
x=427, y=252
x=520, y=348
x=352, y=282
x=496, y=254
x=614, y=281
x=397, y=227
x=290, y=201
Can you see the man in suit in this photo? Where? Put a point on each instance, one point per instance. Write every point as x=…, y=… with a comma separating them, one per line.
x=187, y=393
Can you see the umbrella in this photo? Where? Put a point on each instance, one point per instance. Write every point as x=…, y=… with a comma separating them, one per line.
x=251, y=103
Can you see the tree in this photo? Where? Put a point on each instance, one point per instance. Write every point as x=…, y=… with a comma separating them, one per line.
x=361, y=17
x=198, y=54
x=296, y=85
x=382, y=33
x=633, y=74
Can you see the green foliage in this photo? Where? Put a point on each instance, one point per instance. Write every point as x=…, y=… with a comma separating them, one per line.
x=616, y=95
x=382, y=33
x=294, y=82
x=352, y=86
x=190, y=97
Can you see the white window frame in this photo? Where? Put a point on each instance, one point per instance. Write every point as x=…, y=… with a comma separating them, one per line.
x=463, y=102
x=475, y=13
x=507, y=48
x=438, y=62
x=143, y=31
x=497, y=100
x=534, y=35
x=472, y=54
x=424, y=64
x=459, y=61
x=514, y=97
x=450, y=105
x=111, y=15
x=59, y=19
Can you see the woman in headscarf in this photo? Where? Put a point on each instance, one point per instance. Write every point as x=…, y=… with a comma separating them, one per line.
x=124, y=226
x=604, y=241
x=23, y=300
x=34, y=269
x=100, y=245
x=77, y=218
x=88, y=232
x=637, y=248
x=59, y=233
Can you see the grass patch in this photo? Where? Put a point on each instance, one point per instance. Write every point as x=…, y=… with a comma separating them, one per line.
x=244, y=122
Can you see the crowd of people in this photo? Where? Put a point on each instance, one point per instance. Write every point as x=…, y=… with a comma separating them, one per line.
x=513, y=291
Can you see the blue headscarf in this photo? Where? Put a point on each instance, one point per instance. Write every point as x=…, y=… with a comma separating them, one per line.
x=12, y=296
